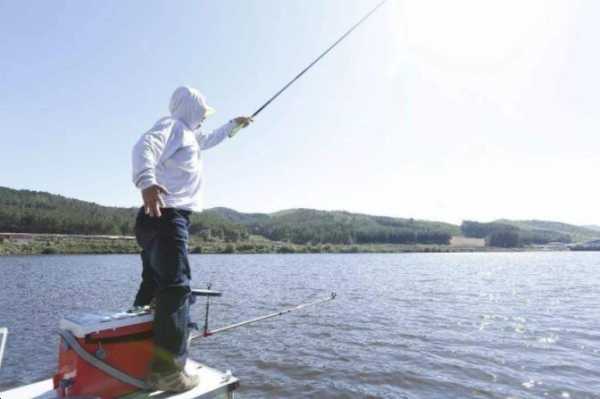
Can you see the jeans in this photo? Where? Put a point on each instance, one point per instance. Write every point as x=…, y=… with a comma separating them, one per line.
x=166, y=278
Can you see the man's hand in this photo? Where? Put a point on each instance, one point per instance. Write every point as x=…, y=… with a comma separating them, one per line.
x=243, y=121
x=153, y=199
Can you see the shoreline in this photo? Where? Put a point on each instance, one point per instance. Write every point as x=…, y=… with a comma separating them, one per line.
x=14, y=244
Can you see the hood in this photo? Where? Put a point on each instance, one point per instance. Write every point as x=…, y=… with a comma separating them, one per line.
x=189, y=106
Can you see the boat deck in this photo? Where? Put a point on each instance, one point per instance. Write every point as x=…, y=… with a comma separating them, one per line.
x=213, y=384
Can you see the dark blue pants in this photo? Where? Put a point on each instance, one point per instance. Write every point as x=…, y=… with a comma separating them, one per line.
x=166, y=278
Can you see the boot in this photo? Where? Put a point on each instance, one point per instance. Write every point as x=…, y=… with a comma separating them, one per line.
x=176, y=381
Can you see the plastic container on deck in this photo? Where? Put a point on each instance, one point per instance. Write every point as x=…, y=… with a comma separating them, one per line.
x=122, y=340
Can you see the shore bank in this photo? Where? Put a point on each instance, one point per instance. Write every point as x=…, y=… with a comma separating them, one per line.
x=62, y=244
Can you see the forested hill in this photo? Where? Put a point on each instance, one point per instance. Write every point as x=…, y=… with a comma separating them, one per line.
x=518, y=233
x=303, y=226
x=577, y=233
x=38, y=212
x=24, y=211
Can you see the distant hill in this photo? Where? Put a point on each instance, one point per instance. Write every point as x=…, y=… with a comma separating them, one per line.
x=516, y=233
x=302, y=226
x=39, y=212
x=577, y=233
x=238, y=217
x=594, y=227
x=25, y=211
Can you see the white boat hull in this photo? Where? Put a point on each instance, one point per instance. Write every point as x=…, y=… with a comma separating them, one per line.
x=214, y=384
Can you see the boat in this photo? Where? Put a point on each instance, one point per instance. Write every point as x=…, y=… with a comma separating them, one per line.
x=105, y=355
x=214, y=384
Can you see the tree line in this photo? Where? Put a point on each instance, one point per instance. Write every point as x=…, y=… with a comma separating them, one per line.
x=505, y=235
x=24, y=211
x=308, y=226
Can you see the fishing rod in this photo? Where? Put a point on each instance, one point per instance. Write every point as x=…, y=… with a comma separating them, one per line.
x=3, y=335
x=207, y=333
x=363, y=19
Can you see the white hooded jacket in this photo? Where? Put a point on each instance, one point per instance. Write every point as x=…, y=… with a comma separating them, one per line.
x=169, y=153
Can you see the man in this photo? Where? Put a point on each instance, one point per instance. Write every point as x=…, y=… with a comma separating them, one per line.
x=167, y=169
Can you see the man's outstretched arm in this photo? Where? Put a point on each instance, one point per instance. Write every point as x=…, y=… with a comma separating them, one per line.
x=218, y=135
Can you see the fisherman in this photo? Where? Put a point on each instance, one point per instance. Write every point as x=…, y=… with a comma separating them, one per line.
x=167, y=168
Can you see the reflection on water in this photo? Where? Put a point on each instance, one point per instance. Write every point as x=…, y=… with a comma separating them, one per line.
x=524, y=325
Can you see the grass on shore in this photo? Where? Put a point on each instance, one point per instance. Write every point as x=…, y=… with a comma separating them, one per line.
x=68, y=246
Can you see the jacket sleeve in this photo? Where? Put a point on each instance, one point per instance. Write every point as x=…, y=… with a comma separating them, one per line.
x=151, y=148
x=207, y=141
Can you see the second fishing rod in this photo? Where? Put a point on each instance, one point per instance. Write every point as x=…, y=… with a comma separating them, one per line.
x=206, y=332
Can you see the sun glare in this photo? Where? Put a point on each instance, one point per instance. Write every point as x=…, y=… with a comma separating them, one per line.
x=477, y=33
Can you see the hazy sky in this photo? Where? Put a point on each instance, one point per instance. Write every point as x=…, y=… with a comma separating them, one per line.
x=443, y=110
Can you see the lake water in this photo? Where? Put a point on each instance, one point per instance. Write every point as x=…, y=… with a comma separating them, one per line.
x=505, y=325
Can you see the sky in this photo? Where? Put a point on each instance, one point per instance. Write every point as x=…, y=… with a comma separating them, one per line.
x=433, y=110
